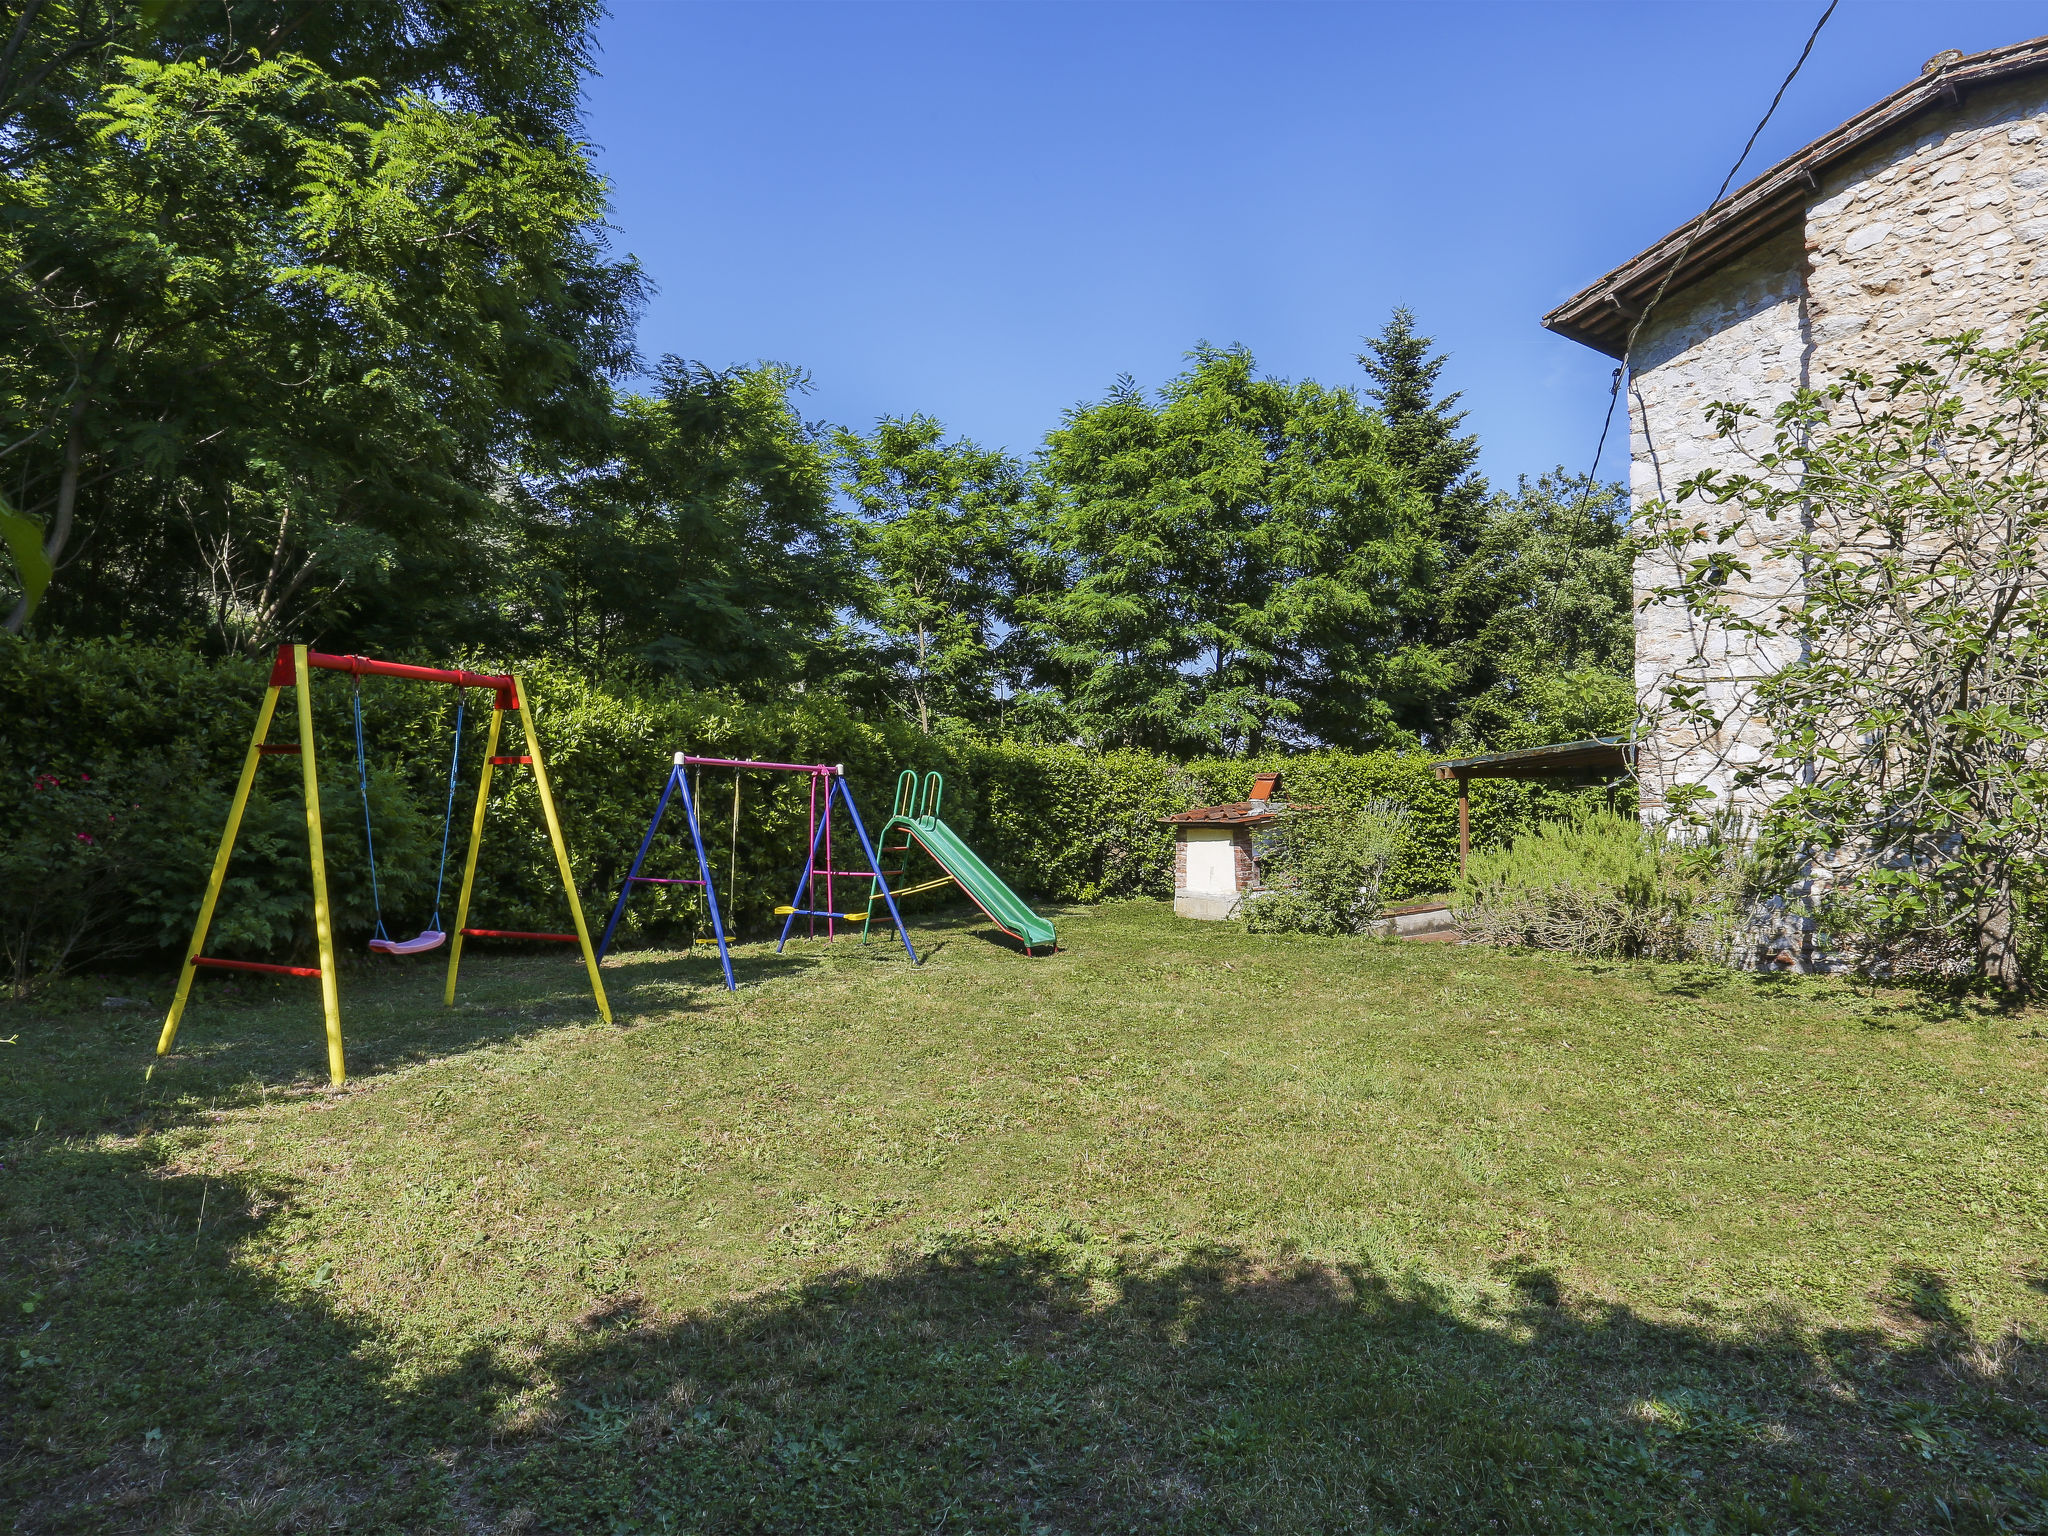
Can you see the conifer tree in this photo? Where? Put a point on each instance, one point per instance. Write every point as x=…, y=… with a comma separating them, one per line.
x=1423, y=440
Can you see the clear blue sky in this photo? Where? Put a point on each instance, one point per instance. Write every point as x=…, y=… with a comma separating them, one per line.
x=986, y=212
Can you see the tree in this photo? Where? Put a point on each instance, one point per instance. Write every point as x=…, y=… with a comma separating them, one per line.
x=1239, y=550
x=277, y=329
x=1905, y=520
x=1545, y=601
x=937, y=527
x=1436, y=462
x=704, y=547
x=1422, y=428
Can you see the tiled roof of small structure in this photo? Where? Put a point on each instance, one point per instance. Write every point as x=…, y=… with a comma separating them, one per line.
x=1600, y=315
x=1234, y=814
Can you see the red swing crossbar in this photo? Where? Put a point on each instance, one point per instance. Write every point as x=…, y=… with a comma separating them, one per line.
x=506, y=933
x=256, y=965
x=283, y=674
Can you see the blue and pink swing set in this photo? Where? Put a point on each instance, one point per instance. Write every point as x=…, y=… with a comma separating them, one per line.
x=804, y=904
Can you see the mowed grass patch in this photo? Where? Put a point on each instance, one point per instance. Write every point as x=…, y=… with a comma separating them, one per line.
x=1177, y=1229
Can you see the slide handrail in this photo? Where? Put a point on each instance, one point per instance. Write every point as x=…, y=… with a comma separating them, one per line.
x=917, y=800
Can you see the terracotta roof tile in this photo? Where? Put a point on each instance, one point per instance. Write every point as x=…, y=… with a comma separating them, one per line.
x=1237, y=812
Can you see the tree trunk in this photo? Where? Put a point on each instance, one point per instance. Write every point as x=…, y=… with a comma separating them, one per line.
x=67, y=501
x=1998, y=942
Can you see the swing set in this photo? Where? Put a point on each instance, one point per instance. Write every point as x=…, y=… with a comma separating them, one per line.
x=293, y=669
x=804, y=903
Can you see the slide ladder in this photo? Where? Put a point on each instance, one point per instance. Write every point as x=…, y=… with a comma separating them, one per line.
x=916, y=817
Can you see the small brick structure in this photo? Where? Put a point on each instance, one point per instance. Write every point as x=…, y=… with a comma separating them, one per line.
x=1216, y=851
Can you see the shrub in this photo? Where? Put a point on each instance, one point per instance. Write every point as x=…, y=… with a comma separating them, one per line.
x=1596, y=883
x=1324, y=871
x=169, y=730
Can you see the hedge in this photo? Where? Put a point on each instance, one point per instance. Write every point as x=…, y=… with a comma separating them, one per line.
x=118, y=760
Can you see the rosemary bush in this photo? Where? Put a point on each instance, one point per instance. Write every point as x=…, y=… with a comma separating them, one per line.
x=1599, y=884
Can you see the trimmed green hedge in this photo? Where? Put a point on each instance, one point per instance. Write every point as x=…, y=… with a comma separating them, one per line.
x=160, y=735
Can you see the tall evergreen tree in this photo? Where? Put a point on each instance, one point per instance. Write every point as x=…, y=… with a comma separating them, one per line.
x=1436, y=462
x=1423, y=441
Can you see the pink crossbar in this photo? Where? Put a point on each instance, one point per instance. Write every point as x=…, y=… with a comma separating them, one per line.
x=733, y=762
x=419, y=944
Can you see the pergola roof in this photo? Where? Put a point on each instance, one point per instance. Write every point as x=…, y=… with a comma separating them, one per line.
x=1599, y=755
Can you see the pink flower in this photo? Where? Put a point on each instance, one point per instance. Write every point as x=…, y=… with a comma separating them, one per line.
x=85, y=837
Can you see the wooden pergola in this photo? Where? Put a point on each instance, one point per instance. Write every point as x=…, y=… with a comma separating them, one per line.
x=1601, y=757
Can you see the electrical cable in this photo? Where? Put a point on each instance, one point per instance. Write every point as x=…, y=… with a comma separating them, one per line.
x=1700, y=224
x=1692, y=236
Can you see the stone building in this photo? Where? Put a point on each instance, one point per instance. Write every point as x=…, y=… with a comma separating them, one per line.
x=1925, y=215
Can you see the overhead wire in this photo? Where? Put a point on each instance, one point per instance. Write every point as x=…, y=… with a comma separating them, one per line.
x=1623, y=369
x=1692, y=237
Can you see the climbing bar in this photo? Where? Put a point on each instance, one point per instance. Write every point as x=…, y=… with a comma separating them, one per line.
x=506, y=933
x=929, y=885
x=257, y=965
x=282, y=675
x=282, y=749
x=733, y=762
x=851, y=917
x=511, y=762
x=660, y=880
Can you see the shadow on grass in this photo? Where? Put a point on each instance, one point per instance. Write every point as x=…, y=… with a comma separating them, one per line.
x=159, y=1378
x=245, y=1037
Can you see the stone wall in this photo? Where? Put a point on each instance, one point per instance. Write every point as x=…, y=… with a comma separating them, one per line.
x=1737, y=335
x=1940, y=229
x=1931, y=234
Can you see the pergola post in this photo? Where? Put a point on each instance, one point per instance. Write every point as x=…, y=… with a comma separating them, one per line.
x=1464, y=821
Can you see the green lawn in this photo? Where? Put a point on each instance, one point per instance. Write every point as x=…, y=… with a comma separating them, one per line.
x=1177, y=1230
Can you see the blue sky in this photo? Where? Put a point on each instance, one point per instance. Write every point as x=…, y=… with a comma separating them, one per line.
x=987, y=211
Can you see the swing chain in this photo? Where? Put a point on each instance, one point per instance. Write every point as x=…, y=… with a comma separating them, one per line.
x=363, y=786
x=448, y=815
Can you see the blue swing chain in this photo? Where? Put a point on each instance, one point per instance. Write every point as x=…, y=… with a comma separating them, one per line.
x=363, y=784
x=448, y=816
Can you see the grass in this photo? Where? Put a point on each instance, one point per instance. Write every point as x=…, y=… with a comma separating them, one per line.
x=1176, y=1230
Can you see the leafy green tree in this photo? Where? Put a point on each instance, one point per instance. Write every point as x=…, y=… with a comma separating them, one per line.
x=1544, y=600
x=938, y=523
x=1238, y=550
x=705, y=547
x=279, y=328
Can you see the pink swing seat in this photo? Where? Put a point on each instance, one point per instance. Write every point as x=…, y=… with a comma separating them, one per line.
x=418, y=944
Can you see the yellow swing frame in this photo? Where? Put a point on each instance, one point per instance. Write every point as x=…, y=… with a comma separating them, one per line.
x=293, y=669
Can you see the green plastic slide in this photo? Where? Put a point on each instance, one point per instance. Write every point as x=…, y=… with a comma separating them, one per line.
x=1005, y=908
